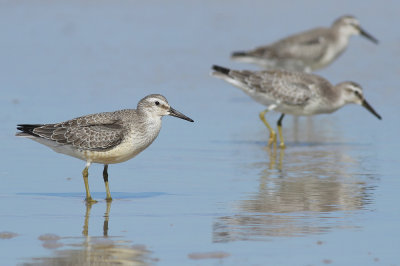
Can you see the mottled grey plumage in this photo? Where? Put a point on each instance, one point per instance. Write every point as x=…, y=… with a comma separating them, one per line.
x=94, y=132
x=106, y=138
x=306, y=51
x=295, y=93
x=289, y=87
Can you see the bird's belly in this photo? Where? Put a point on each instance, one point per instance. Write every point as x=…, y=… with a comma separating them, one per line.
x=116, y=155
x=262, y=98
x=121, y=153
x=293, y=110
x=312, y=108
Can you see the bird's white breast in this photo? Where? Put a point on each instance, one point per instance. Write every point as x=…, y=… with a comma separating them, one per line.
x=132, y=145
x=334, y=49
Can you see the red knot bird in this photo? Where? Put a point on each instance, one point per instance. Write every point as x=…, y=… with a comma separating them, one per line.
x=306, y=51
x=105, y=138
x=295, y=93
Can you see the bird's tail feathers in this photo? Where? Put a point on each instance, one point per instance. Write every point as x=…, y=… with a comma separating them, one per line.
x=27, y=129
x=239, y=54
x=220, y=72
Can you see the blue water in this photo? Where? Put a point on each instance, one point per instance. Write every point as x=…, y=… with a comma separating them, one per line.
x=211, y=186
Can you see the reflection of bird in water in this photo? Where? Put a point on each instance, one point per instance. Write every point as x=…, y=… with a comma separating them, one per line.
x=307, y=51
x=85, y=231
x=97, y=250
x=105, y=138
x=303, y=191
x=294, y=93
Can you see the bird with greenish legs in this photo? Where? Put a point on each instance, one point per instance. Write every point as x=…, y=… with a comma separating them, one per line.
x=105, y=138
x=295, y=93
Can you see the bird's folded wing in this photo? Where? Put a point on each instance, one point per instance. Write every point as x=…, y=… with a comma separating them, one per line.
x=310, y=45
x=284, y=87
x=93, y=132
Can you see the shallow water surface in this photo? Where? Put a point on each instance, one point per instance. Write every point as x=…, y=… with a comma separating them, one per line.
x=208, y=192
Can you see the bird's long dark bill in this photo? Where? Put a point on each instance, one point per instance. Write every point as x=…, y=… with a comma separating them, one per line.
x=369, y=108
x=368, y=36
x=173, y=112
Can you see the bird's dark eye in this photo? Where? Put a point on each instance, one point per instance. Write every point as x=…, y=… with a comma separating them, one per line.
x=358, y=94
x=157, y=103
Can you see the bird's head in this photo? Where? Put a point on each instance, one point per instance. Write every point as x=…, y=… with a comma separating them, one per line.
x=349, y=25
x=157, y=105
x=353, y=93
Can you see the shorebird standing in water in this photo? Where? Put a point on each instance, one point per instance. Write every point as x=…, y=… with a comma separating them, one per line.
x=295, y=93
x=106, y=138
x=307, y=51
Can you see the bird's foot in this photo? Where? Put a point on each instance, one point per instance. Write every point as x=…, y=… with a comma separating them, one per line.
x=108, y=199
x=90, y=200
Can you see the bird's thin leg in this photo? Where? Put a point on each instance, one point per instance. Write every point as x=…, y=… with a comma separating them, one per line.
x=85, y=174
x=272, y=134
x=105, y=177
x=282, y=144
